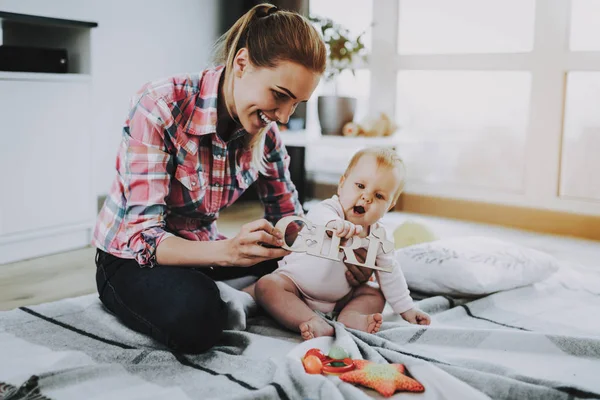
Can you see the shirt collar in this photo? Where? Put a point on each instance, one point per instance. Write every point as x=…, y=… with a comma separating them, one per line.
x=203, y=118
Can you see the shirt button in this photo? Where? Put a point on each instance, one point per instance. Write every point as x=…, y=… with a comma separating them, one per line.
x=217, y=185
x=193, y=183
x=218, y=156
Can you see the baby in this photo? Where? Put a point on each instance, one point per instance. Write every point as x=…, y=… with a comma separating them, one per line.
x=303, y=283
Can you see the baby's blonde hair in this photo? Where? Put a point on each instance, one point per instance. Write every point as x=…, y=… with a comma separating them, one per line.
x=385, y=157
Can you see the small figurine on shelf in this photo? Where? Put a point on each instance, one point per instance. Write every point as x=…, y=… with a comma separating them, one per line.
x=370, y=126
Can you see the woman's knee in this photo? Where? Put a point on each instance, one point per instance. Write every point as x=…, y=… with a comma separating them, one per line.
x=199, y=325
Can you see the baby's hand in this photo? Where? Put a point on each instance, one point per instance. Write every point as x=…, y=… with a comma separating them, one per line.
x=346, y=229
x=415, y=316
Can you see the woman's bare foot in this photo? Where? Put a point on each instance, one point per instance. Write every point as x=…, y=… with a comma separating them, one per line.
x=369, y=323
x=315, y=327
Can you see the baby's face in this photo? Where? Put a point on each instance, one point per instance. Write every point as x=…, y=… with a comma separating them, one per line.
x=367, y=192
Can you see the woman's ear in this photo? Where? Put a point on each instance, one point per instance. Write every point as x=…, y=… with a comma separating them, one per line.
x=240, y=62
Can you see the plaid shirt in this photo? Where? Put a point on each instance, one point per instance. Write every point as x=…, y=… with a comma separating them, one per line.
x=174, y=173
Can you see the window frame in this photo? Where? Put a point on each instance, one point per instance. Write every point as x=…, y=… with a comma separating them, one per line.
x=549, y=63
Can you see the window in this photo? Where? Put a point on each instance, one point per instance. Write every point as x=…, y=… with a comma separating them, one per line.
x=354, y=15
x=496, y=100
x=581, y=138
x=462, y=98
x=585, y=26
x=464, y=127
x=465, y=26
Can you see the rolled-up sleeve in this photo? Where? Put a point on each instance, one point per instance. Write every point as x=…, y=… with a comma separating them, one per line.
x=145, y=172
x=276, y=190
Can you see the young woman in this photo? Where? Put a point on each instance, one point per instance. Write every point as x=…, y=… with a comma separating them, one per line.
x=191, y=145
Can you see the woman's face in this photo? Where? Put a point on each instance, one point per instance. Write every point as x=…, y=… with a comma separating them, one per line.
x=263, y=95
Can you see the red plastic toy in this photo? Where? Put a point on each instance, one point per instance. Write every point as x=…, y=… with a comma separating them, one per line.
x=328, y=365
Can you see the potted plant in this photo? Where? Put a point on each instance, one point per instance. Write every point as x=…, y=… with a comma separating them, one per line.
x=343, y=51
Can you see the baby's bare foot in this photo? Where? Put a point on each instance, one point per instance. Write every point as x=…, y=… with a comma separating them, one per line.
x=315, y=327
x=369, y=323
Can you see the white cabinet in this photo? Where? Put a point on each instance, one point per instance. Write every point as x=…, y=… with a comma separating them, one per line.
x=47, y=202
x=45, y=159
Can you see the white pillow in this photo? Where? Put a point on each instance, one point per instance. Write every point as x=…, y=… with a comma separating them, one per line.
x=472, y=266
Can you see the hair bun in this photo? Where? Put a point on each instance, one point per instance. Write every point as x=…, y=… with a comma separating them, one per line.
x=265, y=12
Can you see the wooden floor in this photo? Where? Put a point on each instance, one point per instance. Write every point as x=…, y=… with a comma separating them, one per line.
x=72, y=273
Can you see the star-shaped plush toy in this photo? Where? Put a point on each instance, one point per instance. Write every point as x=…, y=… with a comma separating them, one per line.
x=385, y=378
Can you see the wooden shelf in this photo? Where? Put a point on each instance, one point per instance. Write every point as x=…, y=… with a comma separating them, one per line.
x=69, y=39
x=39, y=20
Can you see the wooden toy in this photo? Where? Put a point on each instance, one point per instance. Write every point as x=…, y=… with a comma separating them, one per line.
x=312, y=241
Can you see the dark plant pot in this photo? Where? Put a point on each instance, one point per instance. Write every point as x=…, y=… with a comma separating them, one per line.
x=334, y=113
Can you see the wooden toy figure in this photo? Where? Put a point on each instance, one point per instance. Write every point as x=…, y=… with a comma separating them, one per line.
x=314, y=239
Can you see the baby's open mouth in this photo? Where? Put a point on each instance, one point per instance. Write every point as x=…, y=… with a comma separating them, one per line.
x=359, y=209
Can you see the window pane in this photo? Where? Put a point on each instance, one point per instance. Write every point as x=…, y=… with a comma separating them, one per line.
x=585, y=26
x=464, y=127
x=465, y=26
x=354, y=15
x=581, y=137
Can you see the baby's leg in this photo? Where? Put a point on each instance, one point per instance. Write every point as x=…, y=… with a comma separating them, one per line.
x=279, y=295
x=363, y=312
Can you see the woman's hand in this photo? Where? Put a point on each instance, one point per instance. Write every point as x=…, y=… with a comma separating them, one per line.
x=257, y=241
x=356, y=275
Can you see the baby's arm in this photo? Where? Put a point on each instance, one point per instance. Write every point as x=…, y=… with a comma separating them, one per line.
x=394, y=288
x=416, y=316
x=329, y=214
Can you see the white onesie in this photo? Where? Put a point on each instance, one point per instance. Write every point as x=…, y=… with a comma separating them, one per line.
x=322, y=282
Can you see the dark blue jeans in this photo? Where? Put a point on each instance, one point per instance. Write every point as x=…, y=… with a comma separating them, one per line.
x=180, y=307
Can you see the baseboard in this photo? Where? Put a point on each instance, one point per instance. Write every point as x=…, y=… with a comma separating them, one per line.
x=532, y=219
x=321, y=190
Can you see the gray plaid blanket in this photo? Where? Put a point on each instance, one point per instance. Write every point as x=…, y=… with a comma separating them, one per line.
x=536, y=342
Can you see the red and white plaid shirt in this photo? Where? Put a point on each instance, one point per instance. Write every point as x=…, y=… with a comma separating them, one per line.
x=174, y=173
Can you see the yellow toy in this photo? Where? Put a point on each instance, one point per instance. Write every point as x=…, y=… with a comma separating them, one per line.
x=411, y=232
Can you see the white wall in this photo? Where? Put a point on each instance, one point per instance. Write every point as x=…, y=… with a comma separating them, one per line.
x=136, y=41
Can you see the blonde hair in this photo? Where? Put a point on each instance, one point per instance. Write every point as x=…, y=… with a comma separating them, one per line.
x=271, y=36
x=385, y=157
